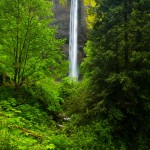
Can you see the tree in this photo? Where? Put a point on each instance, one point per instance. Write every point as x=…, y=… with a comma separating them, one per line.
x=89, y=4
x=117, y=64
x=28, y=44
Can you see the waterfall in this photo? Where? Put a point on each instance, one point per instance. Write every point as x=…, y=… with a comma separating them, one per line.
x=73, y=44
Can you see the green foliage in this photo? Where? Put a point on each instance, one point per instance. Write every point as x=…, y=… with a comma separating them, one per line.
x=117, y=66
x=63, y=2
x=28, y=127
x=47, y=91
x=28, y=46
x=6, y=92
x=74, y=95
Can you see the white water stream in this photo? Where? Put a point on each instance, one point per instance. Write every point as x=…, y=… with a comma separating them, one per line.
x=73, y=44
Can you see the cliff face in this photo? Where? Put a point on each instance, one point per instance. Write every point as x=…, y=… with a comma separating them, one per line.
x=62, y=15
x=62, y=18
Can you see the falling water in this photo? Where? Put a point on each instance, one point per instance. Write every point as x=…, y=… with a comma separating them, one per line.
x=73, y=51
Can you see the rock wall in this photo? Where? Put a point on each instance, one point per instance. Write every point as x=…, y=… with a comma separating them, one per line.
x=62, y=15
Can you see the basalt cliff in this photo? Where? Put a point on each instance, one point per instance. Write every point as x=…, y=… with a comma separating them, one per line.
x=62, y=16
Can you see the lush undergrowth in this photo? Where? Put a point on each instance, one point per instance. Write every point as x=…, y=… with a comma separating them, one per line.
x=28, y=123
x=26, y=127
x=37, y=120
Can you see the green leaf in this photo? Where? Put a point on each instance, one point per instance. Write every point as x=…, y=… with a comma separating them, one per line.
x=51, y=146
